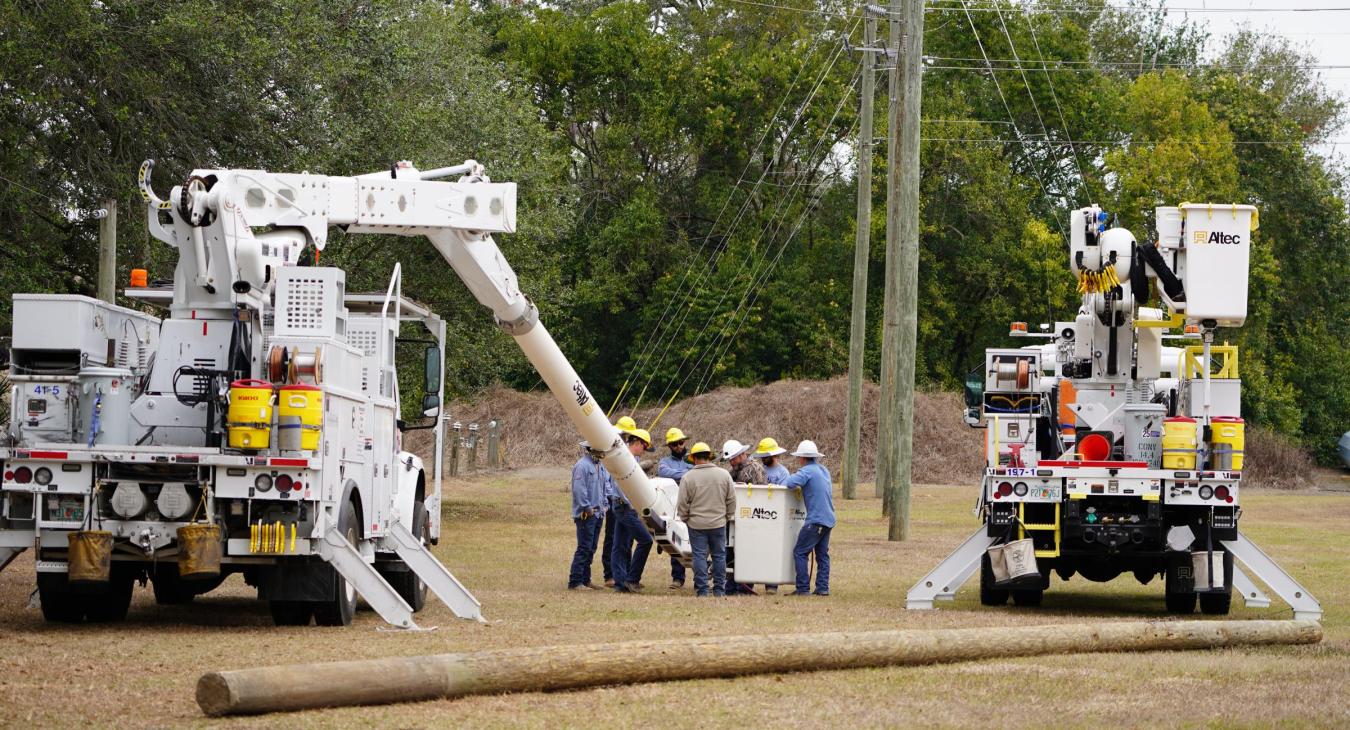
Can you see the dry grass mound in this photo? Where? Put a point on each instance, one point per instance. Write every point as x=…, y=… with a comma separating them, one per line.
x=1273, y=460
x=946, y=451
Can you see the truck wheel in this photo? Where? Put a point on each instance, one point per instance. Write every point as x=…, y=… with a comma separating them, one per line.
x=989, y=595
x=59, y=602
x=1028, y=598
x=339, y=610
x=110, y=603
x=406, y=583
x=291, y=613
x=1216, y=603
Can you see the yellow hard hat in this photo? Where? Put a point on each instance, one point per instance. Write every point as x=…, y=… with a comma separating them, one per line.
x=675, y=434
x=700, y=448
x=625, y=424
x=643, y=434
x=768, y=447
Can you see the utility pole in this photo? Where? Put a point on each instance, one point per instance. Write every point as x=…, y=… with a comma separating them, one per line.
x=107, y=252
x=857, y=336
x=900, y=322
x=890, y=321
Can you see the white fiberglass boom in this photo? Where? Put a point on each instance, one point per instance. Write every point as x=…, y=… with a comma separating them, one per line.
x=221, y=209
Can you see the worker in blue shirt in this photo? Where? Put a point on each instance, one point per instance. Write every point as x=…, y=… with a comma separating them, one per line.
x=674, y=467
x=588, y=498
x=814, y=480
x=623, y=426
x=632, y=541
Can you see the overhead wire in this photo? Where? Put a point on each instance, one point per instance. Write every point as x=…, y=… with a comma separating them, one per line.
x=664, y=333
x=709, y=272
x=721, y=343
x=1063, y=122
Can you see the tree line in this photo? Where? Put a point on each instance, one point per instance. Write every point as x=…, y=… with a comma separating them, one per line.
x=687, y=168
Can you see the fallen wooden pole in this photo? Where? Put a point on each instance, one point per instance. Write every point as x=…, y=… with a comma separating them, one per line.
x=408, y=679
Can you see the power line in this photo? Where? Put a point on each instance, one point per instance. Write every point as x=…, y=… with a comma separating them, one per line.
x=1059, y=9
x=1063, y=122
x=662, y=331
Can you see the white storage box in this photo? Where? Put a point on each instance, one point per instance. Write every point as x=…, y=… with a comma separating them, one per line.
x=1217, y=242
x=768, y=518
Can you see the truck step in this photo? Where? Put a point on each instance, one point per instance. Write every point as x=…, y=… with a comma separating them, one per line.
x=439, y=580
x=347, y=560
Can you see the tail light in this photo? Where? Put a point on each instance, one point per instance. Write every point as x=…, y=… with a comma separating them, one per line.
x=23, y=475
x=1020, y=489
x=1222, y=492
x=283, y=483
x=1005, y=489
x=1206, y=491
x=298, y=485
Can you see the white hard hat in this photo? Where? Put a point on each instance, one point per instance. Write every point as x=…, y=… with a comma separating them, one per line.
x=733, y=448
x=808, y=450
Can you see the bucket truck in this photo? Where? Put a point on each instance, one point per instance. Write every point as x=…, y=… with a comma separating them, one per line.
x=1108, y=452
x=256, y=428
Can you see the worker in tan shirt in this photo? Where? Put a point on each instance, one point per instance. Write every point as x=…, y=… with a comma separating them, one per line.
x=707, y=504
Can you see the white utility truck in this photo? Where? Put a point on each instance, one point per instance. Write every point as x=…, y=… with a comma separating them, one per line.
x=1109, y=452
x=256, y=429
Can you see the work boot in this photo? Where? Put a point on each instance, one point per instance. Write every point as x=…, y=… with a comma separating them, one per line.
x=594, y=587
x=675, y=585
x=609, y=582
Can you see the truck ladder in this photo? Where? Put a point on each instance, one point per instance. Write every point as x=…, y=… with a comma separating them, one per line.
x=947, y=577
x=1269, y=572
x=438, y=579
x=372, y=586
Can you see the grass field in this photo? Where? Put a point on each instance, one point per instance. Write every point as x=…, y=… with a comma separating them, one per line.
x=508, y=538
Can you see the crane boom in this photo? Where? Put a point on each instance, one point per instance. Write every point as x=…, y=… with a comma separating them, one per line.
x=229, y=265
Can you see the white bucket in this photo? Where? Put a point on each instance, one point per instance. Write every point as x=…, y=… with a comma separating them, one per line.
x=1020, y=557
x=1204, y=568
x=997, y=564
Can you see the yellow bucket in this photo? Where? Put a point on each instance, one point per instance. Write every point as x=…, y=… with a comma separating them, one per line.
x=1179, y=442
x=1226, y=438
x=89, y=556
x=199, y=551
x=249, y=420
x=300, y=416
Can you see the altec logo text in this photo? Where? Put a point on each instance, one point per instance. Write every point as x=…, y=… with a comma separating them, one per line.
x=1202, y=237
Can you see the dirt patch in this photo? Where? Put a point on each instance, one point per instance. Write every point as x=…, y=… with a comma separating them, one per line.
x=946, y=451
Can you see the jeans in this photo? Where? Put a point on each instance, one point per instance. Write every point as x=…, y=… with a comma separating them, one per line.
x=588, y=532
x=628, y=560
x=813, y=538
x=606, y=551
x=704, y=542
x=676, y=570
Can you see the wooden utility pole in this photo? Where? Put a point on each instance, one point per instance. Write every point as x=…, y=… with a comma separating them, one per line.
x=890, y=320
x=911, y=100
x=900, y=329
x=107, y=252
x=857, y=336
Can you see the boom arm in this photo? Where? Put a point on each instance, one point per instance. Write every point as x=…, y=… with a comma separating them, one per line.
x=218, y=210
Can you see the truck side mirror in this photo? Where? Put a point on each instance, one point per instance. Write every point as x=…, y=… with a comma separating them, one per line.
x=974, y=397
x=431, y=405
x=432, y=368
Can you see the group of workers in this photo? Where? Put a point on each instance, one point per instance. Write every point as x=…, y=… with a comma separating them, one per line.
x=706, y=505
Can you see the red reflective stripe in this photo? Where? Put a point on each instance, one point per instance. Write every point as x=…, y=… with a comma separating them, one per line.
x=48, y=454
x=1109, y=464
x=203, y=328
x=303, y=463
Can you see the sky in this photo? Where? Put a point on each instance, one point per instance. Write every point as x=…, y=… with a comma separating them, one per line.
x=1322, y=27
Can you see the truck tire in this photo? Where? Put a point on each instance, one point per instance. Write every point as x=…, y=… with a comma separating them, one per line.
x=1028, y=598
x=112, y=602
x=341, y=607
x=406, y=583
x=172, y=590
x=59, y=603
x=291, y=613
x=1216, y=603
x=989, y=595
x=1178, y=602
x=64, y=603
